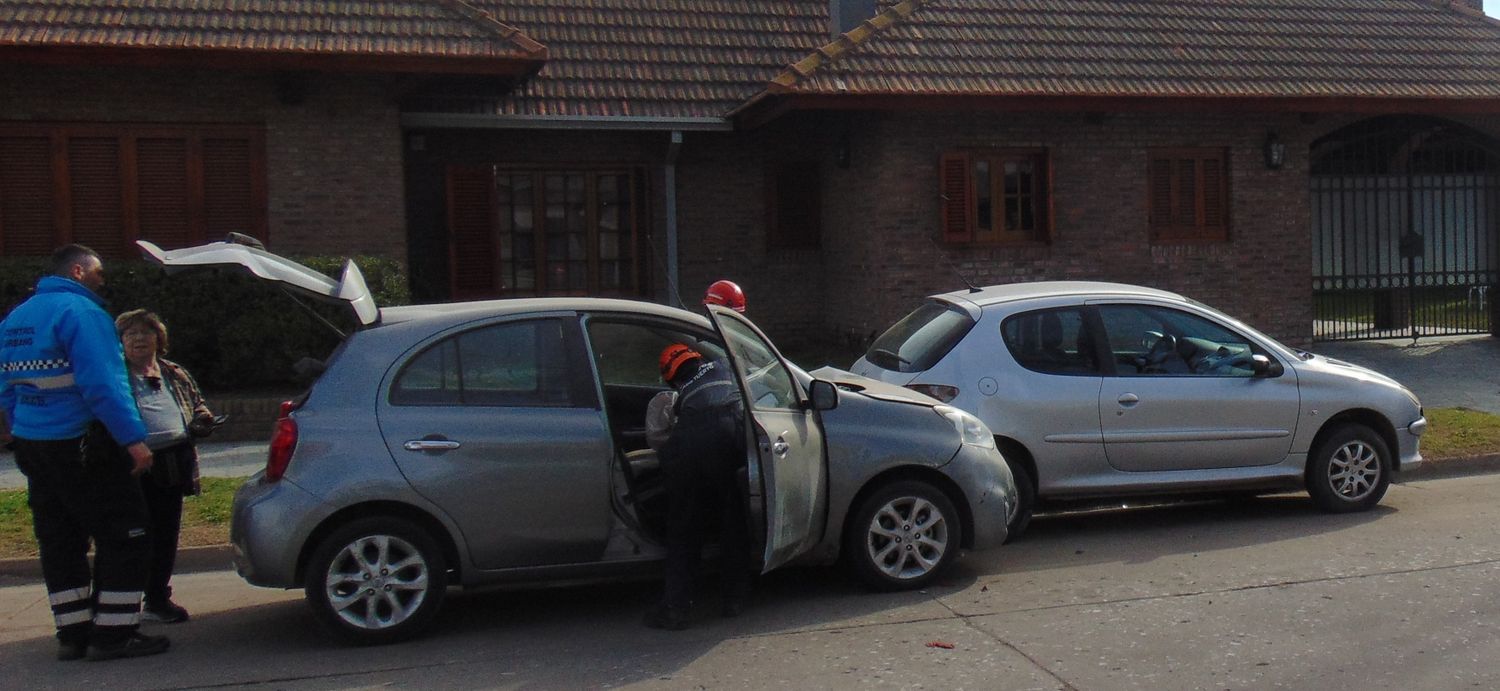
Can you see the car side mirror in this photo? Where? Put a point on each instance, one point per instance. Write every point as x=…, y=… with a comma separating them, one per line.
x=825, y=396
x=1265, y=367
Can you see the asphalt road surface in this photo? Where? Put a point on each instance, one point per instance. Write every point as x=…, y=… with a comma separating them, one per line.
x=1251, y=594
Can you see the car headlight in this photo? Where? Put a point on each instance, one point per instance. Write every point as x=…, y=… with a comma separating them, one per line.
x=970, y=429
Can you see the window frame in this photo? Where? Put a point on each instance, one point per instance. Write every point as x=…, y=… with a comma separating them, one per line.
x=129, y=178
x=1166, y=226
x=1103, y=336
x=473, y=218
x=959, y=201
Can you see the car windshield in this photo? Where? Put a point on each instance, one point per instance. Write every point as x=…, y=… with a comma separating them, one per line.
x=921, y=338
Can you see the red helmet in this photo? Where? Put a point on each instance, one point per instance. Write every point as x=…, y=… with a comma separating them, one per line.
x=726, y=293
x=673, y=357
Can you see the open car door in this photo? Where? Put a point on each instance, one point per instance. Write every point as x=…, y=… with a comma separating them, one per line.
x=349, y=290
x=788, y=450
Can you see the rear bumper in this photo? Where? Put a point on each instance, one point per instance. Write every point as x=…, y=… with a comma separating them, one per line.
x=267, y=530
x=990, y=490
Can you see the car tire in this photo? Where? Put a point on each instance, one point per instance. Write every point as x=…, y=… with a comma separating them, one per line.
x=903, y=536
x=1020, y=514
x=1350, y=470
x=396, y=604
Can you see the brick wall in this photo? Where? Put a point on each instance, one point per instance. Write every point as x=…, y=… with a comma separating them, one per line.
x=883, y=213
x=334, y=160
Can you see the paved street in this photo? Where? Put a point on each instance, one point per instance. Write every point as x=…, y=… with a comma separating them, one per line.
x=1256, y=594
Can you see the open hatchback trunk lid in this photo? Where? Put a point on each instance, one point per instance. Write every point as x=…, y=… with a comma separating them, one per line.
x=350, y=289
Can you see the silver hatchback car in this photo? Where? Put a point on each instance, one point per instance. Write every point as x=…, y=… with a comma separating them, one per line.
x=1102, y=390
x=504, y=441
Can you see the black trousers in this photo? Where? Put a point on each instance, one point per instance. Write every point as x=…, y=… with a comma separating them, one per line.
x=81, y=489
x=164, y=504
x=700, y=468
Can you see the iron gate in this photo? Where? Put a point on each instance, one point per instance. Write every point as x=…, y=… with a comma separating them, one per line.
x=1404, y=210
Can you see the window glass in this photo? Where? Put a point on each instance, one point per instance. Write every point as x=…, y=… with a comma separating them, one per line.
x=770, y=382
x=920, y=339
x=1051, y=341
x=627, y=353
x=512, y=364
x=1147, y=340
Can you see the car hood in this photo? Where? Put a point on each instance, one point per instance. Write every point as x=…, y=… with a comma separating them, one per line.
x=872, y=387
x=1348, y=369
x=349, y=290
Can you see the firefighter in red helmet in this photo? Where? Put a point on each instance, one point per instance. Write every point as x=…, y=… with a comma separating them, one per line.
x=726, y=293
x=700, y=462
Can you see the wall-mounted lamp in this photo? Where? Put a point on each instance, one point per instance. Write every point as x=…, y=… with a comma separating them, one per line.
x=1275, y=151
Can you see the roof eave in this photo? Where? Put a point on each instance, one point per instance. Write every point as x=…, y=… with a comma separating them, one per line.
x=511, y=66
x=772, y=104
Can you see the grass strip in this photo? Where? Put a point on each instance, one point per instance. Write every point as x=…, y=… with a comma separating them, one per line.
x=205, y=518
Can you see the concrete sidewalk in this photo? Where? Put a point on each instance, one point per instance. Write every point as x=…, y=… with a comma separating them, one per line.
x=1444, y=371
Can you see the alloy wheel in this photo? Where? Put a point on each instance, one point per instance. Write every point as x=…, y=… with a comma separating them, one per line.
x=1354, y=470
x=377, y=582
x=907, y=537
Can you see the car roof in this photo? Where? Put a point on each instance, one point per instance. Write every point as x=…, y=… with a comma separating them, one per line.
x=1011, y=292
x=462, y=311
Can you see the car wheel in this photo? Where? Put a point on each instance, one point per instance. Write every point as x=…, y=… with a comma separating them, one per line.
x=1350, y=470
x=903, y=536
x=1020, y=513
x=376, y=581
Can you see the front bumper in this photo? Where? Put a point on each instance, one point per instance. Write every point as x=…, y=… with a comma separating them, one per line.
x=991, y=491
x=269, y=525
x=1409, y=455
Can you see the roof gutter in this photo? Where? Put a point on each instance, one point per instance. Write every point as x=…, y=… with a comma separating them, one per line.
x=563, y=122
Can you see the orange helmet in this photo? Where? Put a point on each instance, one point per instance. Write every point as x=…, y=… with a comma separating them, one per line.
x=726, y=293
x=673, y=357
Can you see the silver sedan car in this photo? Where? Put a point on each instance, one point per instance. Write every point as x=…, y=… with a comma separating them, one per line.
x=1104, y=390
x=504, y=441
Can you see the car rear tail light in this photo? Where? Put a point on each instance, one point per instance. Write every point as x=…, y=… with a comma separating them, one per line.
x=943, y=393
x=283, y=442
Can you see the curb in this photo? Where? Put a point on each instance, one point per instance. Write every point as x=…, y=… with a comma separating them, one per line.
x=1455, y=466
x=189, y=560
x=221, y=557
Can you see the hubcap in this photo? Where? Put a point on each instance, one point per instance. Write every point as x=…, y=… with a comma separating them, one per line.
x=907, y=537
x=1354, y=470
x=376, y=582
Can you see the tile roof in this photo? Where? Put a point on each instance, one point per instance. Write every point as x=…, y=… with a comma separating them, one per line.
x=657, y=58
x=1148, y=48
x=433, y=29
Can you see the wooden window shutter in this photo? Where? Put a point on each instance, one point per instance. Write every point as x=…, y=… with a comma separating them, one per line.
x=26, y=196
x=958, y=212
x=96, y=197
x=471, y=233
x=1159, y=180
x=162, y=191
x=1215, y=198
x=228, y=187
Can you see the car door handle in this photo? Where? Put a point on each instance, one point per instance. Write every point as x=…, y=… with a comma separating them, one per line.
x=780, y=448
x=430, y=445
x=1129, y=400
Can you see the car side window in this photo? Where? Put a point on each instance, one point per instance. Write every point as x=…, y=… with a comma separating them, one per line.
x=626, y=352
x=1055, y=341
x=1155, y=341
x=512, y=364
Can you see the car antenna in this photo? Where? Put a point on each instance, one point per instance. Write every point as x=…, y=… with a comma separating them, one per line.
x=972, y=288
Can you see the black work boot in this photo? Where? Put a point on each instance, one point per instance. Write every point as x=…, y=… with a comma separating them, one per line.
x=668, y=618
x=137, y=644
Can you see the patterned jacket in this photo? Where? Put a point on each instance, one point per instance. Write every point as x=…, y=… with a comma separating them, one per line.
x=194, y=407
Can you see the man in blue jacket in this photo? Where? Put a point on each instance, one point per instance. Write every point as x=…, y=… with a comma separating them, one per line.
x=66, y=398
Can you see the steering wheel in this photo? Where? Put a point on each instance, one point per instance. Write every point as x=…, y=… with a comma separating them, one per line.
x=1159, y=347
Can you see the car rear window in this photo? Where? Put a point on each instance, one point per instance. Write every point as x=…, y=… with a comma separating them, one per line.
x=920, y=339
